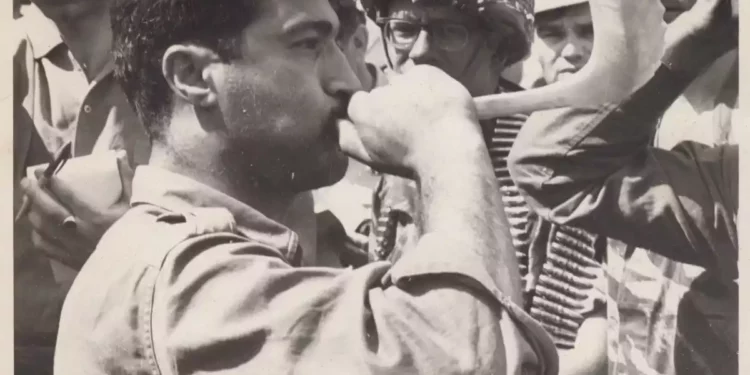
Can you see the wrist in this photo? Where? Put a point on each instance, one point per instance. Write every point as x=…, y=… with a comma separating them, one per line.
x=453, y=146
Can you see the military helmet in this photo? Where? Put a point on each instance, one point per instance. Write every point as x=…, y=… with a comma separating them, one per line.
x=499, y=15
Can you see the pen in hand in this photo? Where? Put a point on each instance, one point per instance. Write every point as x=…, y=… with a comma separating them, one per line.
x=61, y=156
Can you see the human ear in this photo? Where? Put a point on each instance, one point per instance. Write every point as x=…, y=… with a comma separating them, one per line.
x=186, y=69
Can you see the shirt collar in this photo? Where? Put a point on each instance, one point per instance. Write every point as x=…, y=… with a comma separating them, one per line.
x=43, y=34
x=180, y=194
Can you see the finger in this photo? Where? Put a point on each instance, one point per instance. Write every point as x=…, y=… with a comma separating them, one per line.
x=70, y=243
x=351, y=143
x=38, y=173
x=23, y=208
x=361, y=107
x=50, y=247
x=126, y=174
x=55, y=250
x=43, y=204
x=63, y=192
x=51, y=228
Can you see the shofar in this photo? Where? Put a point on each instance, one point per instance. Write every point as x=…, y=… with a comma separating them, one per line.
x=628, y=46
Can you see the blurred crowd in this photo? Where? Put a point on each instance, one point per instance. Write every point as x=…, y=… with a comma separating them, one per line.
x=619, y=220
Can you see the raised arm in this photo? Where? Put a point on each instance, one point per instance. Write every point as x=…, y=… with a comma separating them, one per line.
x=443, y=308
x=595, y=169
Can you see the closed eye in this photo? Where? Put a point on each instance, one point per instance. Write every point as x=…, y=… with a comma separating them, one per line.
x=550, y=35
x=308, y=43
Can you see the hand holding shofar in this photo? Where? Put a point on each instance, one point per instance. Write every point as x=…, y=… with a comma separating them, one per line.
x=628, y=45
x=694, y=41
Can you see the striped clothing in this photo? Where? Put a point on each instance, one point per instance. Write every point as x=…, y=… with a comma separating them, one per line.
x=558, y=264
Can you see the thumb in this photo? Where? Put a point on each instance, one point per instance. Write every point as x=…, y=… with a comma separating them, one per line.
x=38, y=172
x=351, y=143
x=360, y=109
x=350, y=138
x=126, y=173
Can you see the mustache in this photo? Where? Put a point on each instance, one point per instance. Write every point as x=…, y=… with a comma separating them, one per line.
x=337, y=112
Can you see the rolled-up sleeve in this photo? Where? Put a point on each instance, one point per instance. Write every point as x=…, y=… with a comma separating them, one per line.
x=595, y=169
x=224, y=306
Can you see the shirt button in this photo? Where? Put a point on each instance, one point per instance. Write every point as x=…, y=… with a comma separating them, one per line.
x=87, y=108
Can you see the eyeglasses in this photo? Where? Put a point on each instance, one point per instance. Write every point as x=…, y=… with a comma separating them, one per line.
x=402, y=34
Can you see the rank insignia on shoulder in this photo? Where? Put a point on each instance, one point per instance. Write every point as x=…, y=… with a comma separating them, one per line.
x=171, y=218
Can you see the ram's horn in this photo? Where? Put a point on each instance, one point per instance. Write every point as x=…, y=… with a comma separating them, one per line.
x=628, y=45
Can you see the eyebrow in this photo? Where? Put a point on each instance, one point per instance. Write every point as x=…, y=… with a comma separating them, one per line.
x=430, y=15
x=324, y=28
x=553, y=25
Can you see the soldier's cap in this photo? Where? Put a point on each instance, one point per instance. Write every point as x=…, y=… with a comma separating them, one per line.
x=495, y=14
x=542, y=6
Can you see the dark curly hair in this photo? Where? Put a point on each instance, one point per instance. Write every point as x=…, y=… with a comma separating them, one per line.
x=144, y=29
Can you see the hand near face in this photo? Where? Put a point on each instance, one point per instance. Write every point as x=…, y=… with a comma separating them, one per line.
x=50, y=206
x=421, y=117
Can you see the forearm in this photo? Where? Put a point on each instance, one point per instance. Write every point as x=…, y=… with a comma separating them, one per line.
x=599, y=143
x=589, y=146
x=689, y=51
x=599, y=173
x=460, y=199
x=423, y=314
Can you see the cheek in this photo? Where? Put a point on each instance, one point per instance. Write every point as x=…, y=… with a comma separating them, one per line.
x=272, y=101
x=398, y=56
x=546, y=54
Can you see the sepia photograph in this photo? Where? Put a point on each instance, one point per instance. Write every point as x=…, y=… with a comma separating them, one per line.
x=374, y=187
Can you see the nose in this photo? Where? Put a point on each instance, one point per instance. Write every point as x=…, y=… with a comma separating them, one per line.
x=574, y=51
x=422, y=47
x=338, y=76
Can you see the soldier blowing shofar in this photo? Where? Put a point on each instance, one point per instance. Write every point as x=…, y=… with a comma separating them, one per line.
x=200, y=276
x=249, y=105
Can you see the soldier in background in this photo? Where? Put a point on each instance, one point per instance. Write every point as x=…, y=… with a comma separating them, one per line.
x=561, y=266
x=599, y=169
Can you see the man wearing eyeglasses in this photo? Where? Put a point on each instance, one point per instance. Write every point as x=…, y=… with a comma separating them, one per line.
x=563, y=44
x=475, y=45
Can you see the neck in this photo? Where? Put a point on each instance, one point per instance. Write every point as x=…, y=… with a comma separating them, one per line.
x=205, y=168
x=85, y=28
